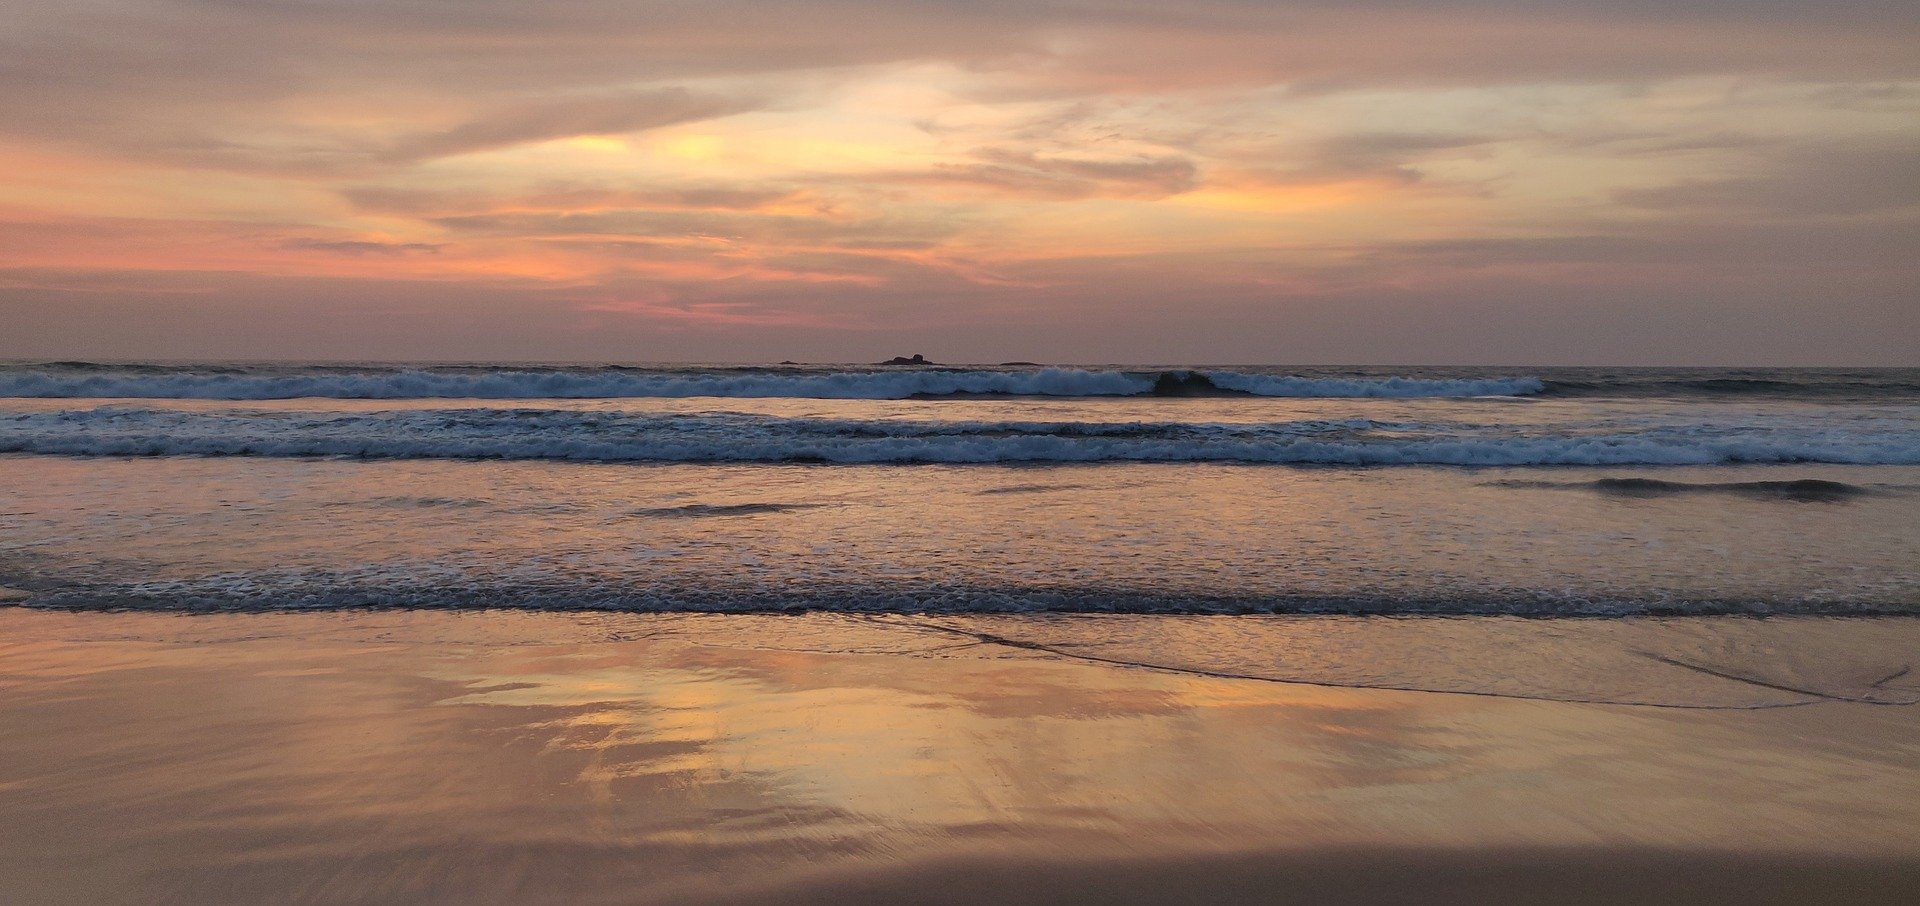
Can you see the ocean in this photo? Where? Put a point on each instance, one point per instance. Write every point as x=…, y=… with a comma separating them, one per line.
x=845, y=634
x=1002, y=489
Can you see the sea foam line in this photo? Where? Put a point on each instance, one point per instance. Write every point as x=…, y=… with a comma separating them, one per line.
x=611, y=384
x=617, y=437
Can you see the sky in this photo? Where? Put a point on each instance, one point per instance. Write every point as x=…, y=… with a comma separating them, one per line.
x=1212, y=181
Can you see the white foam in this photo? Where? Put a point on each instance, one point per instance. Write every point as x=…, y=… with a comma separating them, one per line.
x=603, y=436
x=602, y=384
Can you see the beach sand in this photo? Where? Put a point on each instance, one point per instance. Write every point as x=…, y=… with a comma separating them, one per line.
x=511, y=757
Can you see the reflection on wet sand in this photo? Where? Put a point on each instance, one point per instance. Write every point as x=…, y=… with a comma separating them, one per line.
x=505, y=757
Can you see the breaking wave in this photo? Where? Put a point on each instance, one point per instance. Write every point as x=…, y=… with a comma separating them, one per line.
x=738, y=437
x=68, y=380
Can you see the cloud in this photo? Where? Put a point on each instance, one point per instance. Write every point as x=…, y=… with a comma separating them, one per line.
x=1025, y=173
x=143, y=77
x=360, y=247
x=1819, y=179
x=569, y=197
x=1393, y=153
x=544, y=120
x=990, y=167
x=1492, y=317
x=1720, y=252
x=724, y=228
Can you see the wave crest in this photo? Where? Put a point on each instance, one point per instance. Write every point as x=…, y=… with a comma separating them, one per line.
x=736, y=437
x=612, y=383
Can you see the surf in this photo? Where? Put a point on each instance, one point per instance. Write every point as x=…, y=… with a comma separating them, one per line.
x=613, y=436
x=100, y=382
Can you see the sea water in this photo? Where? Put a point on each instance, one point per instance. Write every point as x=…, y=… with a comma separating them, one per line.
x=1006, y=489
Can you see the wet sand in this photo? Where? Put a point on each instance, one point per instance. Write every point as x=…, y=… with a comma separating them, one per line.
x=524, y=757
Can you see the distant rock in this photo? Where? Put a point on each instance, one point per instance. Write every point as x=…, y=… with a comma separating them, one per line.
x=917, y=359
x=1020, y=364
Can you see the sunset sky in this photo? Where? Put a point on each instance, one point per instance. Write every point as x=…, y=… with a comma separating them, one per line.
x=1472, y=181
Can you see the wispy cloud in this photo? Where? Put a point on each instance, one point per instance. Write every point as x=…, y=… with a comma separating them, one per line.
x=361, y=247
x=568, y=117
x=1872, y=174
x=1026, y=173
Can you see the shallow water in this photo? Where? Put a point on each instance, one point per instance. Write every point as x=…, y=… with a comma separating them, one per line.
x=190, y=532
